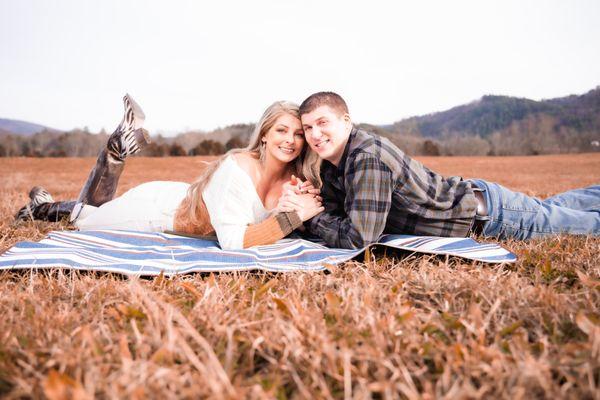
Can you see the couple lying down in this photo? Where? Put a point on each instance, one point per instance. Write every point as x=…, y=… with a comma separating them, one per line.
x=308, y=167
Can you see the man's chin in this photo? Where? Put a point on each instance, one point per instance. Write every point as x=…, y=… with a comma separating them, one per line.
x=329, y=151
x=322, y=152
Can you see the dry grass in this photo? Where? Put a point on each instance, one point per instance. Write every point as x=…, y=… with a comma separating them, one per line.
x=386, y=328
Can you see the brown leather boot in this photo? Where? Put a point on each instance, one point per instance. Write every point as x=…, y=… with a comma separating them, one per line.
x=129, y=138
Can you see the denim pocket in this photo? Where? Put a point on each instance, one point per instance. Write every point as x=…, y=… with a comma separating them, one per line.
x=519, y=202
x=518, y=214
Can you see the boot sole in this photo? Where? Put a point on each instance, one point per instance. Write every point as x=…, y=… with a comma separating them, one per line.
x=138, y=114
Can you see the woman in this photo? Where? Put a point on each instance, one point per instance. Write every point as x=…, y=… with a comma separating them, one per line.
x=238, y=197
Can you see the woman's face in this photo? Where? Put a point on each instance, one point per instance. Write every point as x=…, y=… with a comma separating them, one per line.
x=285, y=140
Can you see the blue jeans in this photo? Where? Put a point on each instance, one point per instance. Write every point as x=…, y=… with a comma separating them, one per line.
x=516, y=215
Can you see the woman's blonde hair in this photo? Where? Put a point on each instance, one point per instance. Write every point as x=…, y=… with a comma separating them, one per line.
x=306, y=165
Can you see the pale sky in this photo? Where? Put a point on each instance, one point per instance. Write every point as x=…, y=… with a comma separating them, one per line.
x=200, y=65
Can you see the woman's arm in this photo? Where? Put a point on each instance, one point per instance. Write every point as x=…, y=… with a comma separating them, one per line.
x=292, y=210
x=232, y=202
x=272, y=229
x=235, y=235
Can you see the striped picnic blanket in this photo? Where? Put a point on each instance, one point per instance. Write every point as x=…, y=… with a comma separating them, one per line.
x=142, y=253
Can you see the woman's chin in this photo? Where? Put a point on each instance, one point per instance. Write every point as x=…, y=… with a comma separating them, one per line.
x=286, y=158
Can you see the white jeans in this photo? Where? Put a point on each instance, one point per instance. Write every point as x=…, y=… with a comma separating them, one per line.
x=149, y=207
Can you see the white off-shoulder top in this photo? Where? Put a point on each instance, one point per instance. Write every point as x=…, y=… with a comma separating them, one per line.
x=232, y=203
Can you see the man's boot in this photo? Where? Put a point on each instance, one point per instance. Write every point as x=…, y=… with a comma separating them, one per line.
x=43, y=207
x=127, y=139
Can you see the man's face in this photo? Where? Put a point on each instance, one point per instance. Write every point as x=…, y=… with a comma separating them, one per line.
x=327, y=133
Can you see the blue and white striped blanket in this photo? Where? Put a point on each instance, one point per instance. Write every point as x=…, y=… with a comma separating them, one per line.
x=141, y=253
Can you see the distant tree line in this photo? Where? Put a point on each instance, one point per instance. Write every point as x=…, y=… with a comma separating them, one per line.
x=205, y=147
x=76, y=143
x=536, y=134
x=82, y=143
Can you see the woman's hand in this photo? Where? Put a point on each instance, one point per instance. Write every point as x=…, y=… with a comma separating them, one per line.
x=300, y=187
x=306, y=205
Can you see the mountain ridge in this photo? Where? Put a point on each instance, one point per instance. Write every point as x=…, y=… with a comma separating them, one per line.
x=24, y=128
x=493, y=113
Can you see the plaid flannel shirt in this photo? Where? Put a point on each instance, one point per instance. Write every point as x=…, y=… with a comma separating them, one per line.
x=378, y=189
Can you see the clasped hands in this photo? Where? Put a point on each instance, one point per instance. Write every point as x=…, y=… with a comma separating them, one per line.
x=302, y=197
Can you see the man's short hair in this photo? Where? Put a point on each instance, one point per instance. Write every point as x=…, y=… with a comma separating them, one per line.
x=330, y=99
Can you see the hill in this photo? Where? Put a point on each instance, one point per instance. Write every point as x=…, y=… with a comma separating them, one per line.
x=495, y=113
x=24, y=128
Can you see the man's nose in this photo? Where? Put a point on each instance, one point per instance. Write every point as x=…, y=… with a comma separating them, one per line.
x=315, y=133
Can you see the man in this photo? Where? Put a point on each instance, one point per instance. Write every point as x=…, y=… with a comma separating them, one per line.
x=371, y=187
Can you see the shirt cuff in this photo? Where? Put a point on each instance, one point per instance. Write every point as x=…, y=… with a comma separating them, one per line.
x=288, y=221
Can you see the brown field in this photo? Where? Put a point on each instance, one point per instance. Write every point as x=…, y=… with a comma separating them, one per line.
x=417, y=327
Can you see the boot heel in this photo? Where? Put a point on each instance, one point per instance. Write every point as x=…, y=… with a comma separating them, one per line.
x=142, y=137
x=76, y=211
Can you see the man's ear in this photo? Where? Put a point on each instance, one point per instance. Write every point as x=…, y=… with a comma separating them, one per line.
x=347, y=121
